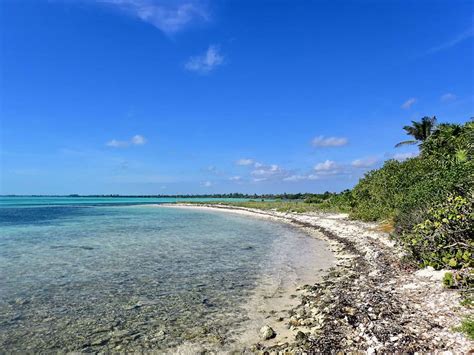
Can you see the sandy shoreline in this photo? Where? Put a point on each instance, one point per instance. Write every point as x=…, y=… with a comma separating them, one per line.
x=370, y=301
x=270, y=304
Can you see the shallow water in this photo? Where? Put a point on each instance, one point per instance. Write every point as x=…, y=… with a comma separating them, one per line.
x=94, y=277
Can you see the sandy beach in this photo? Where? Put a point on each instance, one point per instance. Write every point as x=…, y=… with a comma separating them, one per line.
x=369, y=301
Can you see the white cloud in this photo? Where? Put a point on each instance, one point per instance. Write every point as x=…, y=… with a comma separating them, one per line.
x=451, y=43
x=263, y=172
x=117, y=144
x=448, y=97
x=322, y=141
x=235, y=178
x=364, y=162
x=168, y=16
x=329, y=169
x=245, y=162
x=408, y=103
x=206, y=184
x=267, y=170
x=206, y=62
x=138, y=140
x=404, y=156
x=294, y=178
x=328, y=165
x=135, y=140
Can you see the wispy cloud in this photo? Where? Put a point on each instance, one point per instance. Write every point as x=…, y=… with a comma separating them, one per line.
x=117, y=144
x=138, y=140
x=268, y=171
x=404, y=156
x=453, y=42
x=328, y=165
x=448, y=97
x=322, y=141
x=365, y=162
x=326, y=169
x=206, y=184
x=135, y=140
x=296, y=178
x=168, y=16
x=244, y=162
x=408, y=103
x=261, y=172
x=206, y=62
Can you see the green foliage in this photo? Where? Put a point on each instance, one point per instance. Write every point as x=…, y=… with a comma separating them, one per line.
x=340, y=202
x=448, y=280
x=467, y=299
x=401, y=190
x=429, y=197
x=467, y=327
x=460, y=279
x=450, y=142
x=398, y=189
x=444, y=238
x=420, y=131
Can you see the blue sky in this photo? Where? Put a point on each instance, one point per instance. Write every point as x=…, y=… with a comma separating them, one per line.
x=164, y=97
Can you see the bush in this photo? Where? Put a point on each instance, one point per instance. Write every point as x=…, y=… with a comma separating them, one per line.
x=444, y=238
x=430, y=198
x=460, y=279
x=403, y=190
x=467, y=327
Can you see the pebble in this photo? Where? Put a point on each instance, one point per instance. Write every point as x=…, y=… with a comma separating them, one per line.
x=267, y=332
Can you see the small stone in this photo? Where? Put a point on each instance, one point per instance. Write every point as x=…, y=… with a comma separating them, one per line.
x=100, y=341
x=350, y=310
x=267, y=332
x=301, y=337
x=160, y=335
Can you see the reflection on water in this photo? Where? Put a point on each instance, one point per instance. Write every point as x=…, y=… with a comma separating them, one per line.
x=131, y=277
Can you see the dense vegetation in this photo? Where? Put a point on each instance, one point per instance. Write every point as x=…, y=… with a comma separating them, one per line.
x=429, y=198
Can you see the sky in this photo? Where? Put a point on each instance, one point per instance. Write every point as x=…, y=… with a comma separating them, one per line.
x=191, y=96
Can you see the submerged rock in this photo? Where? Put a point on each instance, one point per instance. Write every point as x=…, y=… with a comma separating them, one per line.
x=267, y=332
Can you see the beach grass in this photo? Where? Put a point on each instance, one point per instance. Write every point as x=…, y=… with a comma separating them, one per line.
x=296, y=206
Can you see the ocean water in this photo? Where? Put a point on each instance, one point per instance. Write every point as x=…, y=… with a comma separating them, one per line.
x=92, y=274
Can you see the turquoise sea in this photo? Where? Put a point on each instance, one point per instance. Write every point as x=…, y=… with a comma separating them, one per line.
x=101, y=274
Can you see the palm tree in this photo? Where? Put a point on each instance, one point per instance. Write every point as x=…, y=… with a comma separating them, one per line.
x=420, y=131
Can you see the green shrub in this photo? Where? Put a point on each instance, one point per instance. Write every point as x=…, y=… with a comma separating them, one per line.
x=448, y=280
x=460, y=279
x=444, y=238
x=403, y=190
x=467, y=327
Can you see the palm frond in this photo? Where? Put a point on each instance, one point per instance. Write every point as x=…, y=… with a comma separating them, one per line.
x=405, y=143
